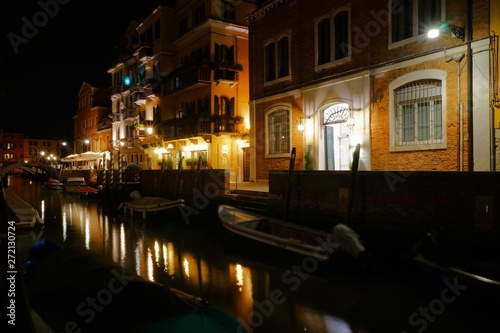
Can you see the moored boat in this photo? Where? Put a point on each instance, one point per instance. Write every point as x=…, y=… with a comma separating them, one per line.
x=25, y=215
x=148, y=204
x=290, y=236
x=54, y=184
x=73, y=183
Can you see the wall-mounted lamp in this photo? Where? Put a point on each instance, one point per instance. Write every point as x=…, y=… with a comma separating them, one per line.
x=300, y=125
x=350, y=122
x=456, y=31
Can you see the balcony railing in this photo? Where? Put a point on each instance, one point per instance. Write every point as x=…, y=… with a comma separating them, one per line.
x=187, y=77
x=198, y=125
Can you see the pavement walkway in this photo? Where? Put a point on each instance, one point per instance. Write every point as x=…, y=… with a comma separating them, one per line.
x=250, y=186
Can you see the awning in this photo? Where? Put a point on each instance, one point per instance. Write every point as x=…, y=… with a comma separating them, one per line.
x=87, y=156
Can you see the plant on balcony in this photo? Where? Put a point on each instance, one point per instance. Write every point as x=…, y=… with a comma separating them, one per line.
x=215, y=118
x=227, y=65
x=238, y=119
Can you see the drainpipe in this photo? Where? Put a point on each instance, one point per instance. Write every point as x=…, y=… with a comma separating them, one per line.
x=458, y=58
x=469, y=89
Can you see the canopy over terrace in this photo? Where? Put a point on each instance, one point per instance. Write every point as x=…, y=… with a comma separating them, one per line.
x=88, y=159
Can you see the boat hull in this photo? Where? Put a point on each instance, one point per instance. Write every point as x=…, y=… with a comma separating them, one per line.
x=286, y=236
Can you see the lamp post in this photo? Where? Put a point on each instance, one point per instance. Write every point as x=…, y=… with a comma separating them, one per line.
x=460, y=33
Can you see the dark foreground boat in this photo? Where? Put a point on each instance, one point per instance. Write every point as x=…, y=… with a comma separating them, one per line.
x=290, y=236
x=77, y=290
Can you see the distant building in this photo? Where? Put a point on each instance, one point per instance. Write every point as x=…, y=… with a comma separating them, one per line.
x=92, y=124
x=11, y=148
x=19, y=148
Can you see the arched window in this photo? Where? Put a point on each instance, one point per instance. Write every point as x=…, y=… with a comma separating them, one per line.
x=336, y=113
x=332, y=37
x=277, y=58
x=278, y=132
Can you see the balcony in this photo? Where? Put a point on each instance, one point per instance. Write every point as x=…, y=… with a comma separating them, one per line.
x=130, y=114
x=190, y=126
x=143, y=52
x=183, y=78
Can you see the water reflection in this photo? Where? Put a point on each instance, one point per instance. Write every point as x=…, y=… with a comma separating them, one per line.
x=201, y=260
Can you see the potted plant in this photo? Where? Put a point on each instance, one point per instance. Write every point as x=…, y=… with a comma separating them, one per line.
x=309, y=161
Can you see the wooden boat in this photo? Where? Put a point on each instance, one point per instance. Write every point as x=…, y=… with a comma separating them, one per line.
x=147, y=205
x=293, y=237
x=489, y=283
x=73, y=183
x=54, y=184
x=25, y=215
x=290, y=236
x=60, y=281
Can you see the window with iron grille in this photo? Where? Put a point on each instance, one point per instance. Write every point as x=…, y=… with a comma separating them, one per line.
x=419, y=113
x=278, y=131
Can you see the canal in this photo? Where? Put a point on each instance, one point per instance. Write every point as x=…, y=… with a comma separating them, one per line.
x=202, y=259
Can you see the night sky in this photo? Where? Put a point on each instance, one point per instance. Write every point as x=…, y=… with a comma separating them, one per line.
x=75, y=44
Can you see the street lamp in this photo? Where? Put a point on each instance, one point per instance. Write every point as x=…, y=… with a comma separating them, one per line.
x=458, y=32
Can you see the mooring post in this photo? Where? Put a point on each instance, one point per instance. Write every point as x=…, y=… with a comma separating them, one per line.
x=289, y=184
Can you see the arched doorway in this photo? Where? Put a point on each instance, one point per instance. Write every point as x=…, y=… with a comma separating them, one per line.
x=336, y=136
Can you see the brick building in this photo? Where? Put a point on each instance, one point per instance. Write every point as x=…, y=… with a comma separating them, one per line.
x=11, y=148
x=326, y=77
x=92, y=120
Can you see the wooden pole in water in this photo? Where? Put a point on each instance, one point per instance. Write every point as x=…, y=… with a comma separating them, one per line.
x=178, y=177
x=354, y=171
x=289, y=184
x=120, y=166
x=197, y=177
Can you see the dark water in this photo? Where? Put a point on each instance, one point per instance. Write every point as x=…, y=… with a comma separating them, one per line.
x=266, y=290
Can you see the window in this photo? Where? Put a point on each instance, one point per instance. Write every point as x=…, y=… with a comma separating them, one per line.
x=323, y=41
x=199, y=15
x=411, y=18
x=341, y=29
x=157, y=33
x=278, y=132
x=336, y=113
x=332, y=38
x=228, y=10
x=183, y=26
x=419, y=113
x=277, y=59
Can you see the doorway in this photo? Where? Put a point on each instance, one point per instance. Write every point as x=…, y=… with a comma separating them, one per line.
x=336, y=146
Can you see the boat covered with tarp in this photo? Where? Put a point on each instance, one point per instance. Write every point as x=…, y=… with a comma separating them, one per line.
x=25, y=215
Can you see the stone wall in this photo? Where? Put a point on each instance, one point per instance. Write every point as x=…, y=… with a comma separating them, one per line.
x=456, y=200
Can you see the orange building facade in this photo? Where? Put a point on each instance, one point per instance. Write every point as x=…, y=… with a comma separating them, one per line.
x=180, y=88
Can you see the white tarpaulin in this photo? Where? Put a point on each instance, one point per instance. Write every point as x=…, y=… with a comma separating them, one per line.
x=87, y=156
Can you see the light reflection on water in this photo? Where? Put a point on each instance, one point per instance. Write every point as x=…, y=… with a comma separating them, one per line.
x=203, y=261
